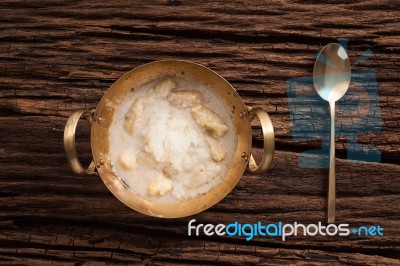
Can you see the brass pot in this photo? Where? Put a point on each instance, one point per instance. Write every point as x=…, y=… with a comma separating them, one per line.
x=101, y=117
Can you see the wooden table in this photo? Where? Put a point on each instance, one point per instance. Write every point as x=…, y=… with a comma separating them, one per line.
x=58, y=56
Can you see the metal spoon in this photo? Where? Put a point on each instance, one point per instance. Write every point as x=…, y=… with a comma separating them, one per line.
x=331, y=77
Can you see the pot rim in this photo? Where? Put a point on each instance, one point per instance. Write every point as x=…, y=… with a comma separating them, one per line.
x=139, y=76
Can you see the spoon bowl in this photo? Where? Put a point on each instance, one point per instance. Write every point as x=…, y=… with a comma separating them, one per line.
x=332, y=72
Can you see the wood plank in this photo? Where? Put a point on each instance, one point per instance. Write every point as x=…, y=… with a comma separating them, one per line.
x=56, y=57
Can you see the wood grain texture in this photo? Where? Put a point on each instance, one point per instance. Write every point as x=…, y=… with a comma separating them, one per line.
x=56, y=57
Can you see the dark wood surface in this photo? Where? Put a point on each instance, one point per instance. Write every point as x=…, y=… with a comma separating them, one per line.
x=58, y=56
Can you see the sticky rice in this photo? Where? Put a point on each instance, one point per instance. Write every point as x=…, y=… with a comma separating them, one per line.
x=171, y=140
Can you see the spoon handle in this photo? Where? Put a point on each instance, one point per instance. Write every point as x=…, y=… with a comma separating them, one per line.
x=332, y=178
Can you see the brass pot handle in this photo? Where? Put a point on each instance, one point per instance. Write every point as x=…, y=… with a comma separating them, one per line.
x=269, y=141
x=69, y=142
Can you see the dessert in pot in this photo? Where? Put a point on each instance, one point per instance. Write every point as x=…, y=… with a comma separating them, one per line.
x=171, y=139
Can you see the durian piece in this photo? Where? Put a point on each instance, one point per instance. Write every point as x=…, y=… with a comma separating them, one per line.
x=217, y=151
x=208, y=119
x=134, y=112
x=184, y=99
x=128, y=160
x=160, y=185
x=164, y=87
x=202, y=175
